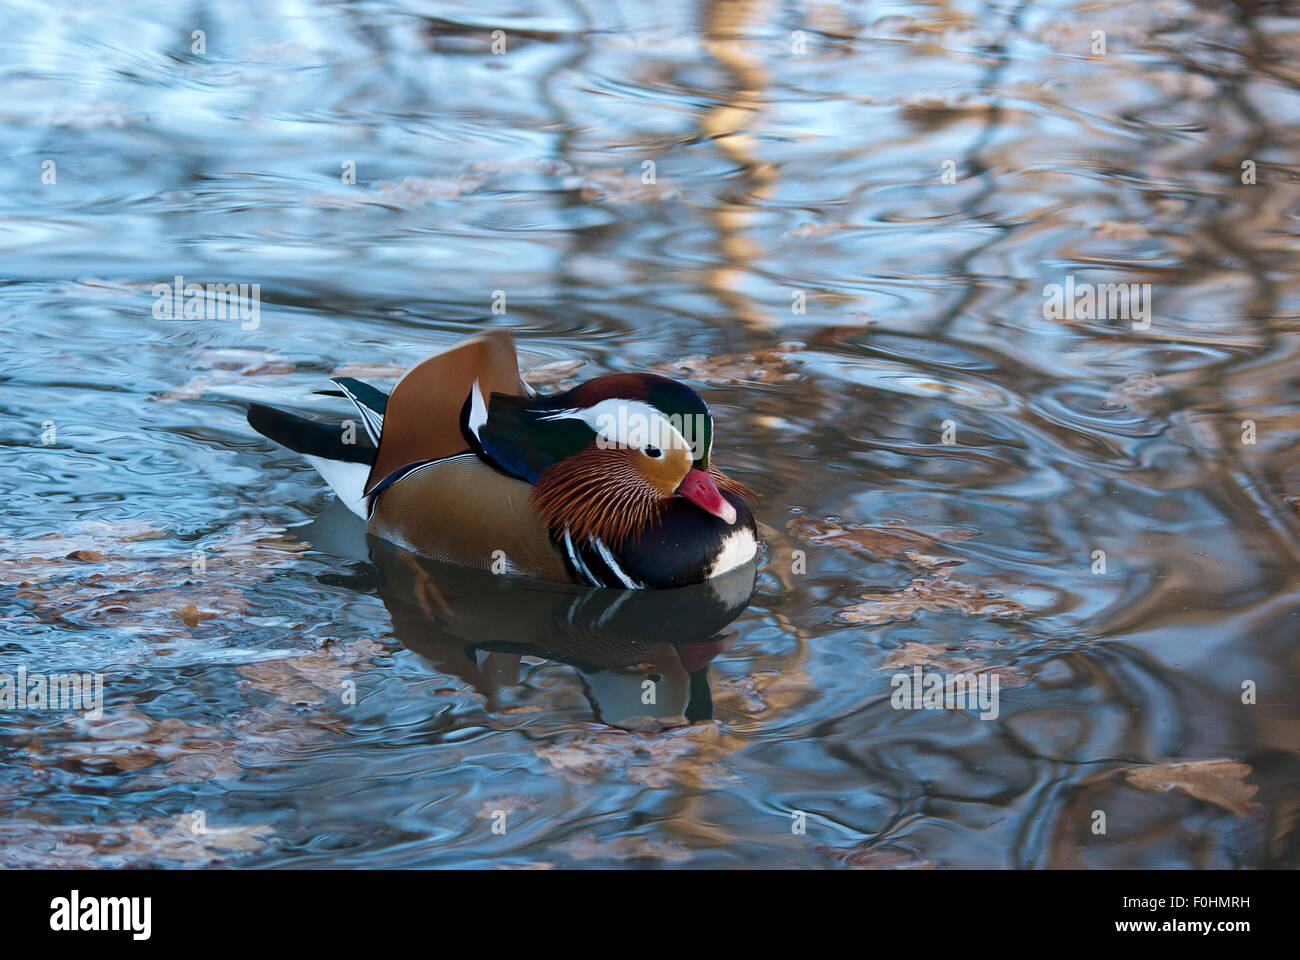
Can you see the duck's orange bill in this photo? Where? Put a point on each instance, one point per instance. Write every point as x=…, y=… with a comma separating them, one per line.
x=699, y=488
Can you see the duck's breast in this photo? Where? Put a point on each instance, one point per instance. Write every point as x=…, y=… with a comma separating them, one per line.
x=460, y=510
x=687, y=545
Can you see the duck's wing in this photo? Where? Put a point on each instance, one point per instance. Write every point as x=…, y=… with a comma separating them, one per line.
x=421, y=419
x=522, y=436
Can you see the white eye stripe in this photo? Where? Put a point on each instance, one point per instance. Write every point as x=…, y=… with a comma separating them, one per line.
x=632, y=423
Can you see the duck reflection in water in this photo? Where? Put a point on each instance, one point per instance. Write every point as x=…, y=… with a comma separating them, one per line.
x=642, y=655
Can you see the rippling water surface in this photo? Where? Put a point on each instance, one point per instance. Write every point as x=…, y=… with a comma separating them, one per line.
x=837, y=222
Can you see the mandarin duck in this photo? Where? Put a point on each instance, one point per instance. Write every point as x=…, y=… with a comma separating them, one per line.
x=609, y=484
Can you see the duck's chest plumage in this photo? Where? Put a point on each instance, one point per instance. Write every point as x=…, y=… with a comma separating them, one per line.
x=461, y=510
x=683, y=545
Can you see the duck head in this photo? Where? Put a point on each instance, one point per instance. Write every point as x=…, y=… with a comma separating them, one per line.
x=609, y=458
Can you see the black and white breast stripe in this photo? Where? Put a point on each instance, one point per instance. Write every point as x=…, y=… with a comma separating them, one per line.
x=595, y=564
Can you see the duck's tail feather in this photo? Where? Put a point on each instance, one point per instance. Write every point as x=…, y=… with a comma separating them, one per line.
x=311, y=437
x=341, y=455
x=371, y=403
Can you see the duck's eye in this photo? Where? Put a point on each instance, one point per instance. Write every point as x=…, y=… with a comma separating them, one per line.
x=652, y=451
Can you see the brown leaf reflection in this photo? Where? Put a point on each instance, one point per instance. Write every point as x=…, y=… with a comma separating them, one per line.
x=172, y=750
x=934, y=655
x=371, y=371
x=124, y=575
x=764, y=691
x=228, y=366
x=1137, y=819
x=554, y=375
x=688, y=755
x=875, y=858
x=29, y=560
x=589, y=848
x=933, y=112
x=546, y=375
x=310, y=679
x=1220, y=782
x=761, y=366
x=889, y=539
x=932, y=593
x=140, y=844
